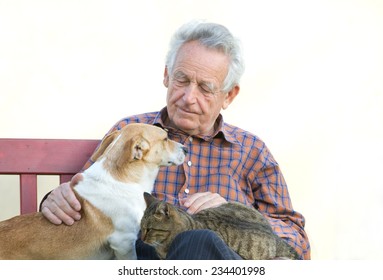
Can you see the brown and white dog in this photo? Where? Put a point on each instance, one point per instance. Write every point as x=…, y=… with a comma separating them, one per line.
x=111, y=195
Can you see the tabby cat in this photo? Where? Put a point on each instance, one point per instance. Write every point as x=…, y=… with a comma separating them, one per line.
x=242, y=228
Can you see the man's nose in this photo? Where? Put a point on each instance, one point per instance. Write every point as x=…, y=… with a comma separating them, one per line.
x=190, y=92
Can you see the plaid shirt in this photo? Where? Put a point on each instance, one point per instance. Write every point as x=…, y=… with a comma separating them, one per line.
x=235, y=164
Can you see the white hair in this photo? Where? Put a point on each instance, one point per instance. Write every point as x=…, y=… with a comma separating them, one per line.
x=210, y=35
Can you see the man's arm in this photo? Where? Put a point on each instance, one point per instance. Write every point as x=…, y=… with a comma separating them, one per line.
x=273, y=199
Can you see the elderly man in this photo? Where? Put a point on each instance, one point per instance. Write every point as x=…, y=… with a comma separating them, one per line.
x=224, y=163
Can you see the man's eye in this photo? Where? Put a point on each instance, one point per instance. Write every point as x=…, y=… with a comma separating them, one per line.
x=182, y=81
x=205, y=89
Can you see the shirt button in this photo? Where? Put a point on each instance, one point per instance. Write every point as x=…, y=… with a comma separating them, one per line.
x=186, y=191
x=190, y=139
x=189, y=163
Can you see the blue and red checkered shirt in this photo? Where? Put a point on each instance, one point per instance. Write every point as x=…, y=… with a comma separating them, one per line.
x=234, y=163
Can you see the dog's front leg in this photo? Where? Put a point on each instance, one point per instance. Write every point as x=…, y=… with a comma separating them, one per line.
x=123, y=245
x=128, y=253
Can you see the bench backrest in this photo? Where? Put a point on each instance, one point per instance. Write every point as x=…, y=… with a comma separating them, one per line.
x=31, y=157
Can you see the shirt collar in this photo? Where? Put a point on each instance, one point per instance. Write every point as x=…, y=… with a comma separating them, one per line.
x=162, y=119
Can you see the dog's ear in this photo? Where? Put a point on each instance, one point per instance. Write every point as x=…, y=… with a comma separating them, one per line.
x=134, y=149
x=139, y=146
x=108, y=139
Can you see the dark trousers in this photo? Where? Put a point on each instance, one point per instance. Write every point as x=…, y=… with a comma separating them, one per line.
x=191, y=245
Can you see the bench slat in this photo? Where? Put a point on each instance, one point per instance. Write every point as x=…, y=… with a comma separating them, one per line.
x=31, y=157
x=44, y=156
x=28, y=193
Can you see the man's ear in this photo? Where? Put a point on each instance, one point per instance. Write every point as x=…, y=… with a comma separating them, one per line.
x=230, y=96
x=166, y=77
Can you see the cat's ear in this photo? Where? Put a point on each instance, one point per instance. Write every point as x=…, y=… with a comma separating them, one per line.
x=149, y=199
x=164, y=209
x=167, y=210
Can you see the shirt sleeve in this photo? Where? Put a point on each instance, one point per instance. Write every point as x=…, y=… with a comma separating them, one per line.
x=273, y=200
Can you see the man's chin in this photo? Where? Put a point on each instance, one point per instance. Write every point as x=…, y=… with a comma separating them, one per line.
x=186, y=125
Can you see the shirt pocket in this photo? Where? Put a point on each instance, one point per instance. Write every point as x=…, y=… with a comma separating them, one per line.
x=223, y=183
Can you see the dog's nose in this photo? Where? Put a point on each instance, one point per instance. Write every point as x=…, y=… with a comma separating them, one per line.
x=185, y=150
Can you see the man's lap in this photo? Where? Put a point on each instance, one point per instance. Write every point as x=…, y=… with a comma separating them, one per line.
x=191, y=245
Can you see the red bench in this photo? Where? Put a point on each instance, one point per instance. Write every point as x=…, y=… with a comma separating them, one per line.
x=31, y=157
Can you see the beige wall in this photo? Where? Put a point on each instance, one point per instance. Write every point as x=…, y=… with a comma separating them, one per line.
x=312, y=90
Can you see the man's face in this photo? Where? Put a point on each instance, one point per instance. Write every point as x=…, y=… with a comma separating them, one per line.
x=194, y=97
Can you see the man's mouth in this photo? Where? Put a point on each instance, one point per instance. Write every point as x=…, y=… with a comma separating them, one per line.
x=186, y=111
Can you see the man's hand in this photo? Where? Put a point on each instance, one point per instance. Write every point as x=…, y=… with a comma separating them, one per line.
x=200, y=201
x=62, y=205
